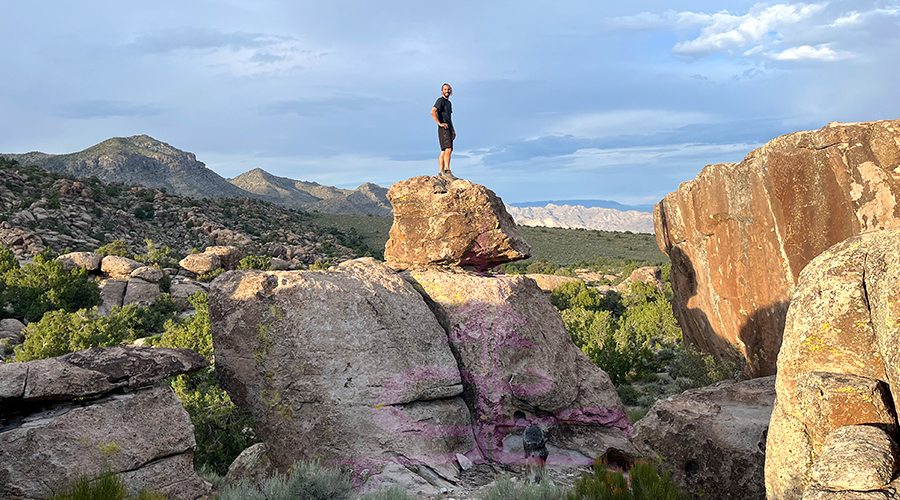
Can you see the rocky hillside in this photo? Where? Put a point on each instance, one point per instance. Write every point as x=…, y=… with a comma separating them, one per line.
x=41, y=208
x=368, y=199
x=143, y=160
x=576, y=216
x=139, y=159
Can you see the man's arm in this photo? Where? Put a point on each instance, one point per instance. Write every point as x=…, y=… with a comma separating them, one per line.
x=434, y=112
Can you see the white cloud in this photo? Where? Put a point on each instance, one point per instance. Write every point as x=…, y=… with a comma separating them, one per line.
x=784, y=32
x=820, y=53
x=727, y=32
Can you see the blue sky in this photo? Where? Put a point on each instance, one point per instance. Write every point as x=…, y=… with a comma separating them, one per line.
x=552, y=100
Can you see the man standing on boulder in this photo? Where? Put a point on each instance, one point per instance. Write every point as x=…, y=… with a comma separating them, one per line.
x=446, y=133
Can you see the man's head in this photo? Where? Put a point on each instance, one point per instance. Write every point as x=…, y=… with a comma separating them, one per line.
x=446, y=90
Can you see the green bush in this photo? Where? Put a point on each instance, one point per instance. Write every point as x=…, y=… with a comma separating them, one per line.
x=206, y=278
x=117, y=248
x=44, y=286
x=222, y=430
x=108, y=486
x=646, y=484
x=505, y=489
x=59, y=332
x=319, y=265
x=255, y=262
x=304, y=481
x=160, y=256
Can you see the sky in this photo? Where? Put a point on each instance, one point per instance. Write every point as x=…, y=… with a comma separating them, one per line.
x=558, y=100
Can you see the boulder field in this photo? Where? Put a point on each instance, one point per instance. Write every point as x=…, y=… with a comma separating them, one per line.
x=740, y=234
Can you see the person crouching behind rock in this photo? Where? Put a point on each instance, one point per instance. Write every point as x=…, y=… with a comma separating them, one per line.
x=535, y=453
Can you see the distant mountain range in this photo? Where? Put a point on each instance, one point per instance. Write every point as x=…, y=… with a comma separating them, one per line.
x=568, y=216
x=143, y=160
x=585, y=203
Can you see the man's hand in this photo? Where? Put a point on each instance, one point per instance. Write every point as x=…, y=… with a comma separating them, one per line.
x=444, y=125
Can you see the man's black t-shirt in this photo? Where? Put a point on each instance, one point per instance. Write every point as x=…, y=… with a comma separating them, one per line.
x=444, y=110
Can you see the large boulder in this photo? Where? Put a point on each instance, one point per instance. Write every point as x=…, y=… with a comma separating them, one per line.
x=68, y=417
x=88, y=260
x=347, y=365
x=140, y=292
x=713, y=439
x=201, y=263
x=520, y=368
x=112, y=294
x=118, y=267
x=456, y=223
x=839, y=364
x=740, y=233
x=229, y=257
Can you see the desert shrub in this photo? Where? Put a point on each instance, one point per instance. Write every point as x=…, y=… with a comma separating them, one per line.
x=646, y=484
x=117, y=248
x=255, y=262
x=319, y=265
x=107, y=486
x=43, y=286
x=206, y=278
x=144, y=211
x=8, y=261
x=630, y=336
x=59, y=332
x=222, y=430
x=161, y=256
x=505, y=489
x=692, y=368
x=304, y=481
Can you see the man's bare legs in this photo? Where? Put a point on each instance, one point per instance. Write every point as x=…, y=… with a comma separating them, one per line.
x=444, y=160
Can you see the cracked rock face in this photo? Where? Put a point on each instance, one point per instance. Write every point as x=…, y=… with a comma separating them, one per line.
x=740, y=233
x=66, y=417
x=839, y=365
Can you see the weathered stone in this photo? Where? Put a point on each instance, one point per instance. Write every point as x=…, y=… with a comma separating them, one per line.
x=814, y=493
x=229, y=257
x=11, y=328
x=126, y=432
x=201, y=263
x=832, y=400
x=456, y=223
x=516, y=357
x=112, y=293
x=148, y=273
x=140, y=292
x=651, y=275
x=713, y=438
x=57, y=380
x=345, y=365
x=12, y=380
x=842, y=320
x=172, y=476
x=856, y=457
x=180, y=291
x=252, y=467
x=550, y=282
x=136, y=366
x=88, y=260
x=740, y=234
x=279, y=264
x=119, y=267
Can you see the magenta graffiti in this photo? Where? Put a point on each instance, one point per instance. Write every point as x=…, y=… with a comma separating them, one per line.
x=493, y=326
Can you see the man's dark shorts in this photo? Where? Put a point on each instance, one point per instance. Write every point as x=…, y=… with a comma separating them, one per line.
x=445, y=135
